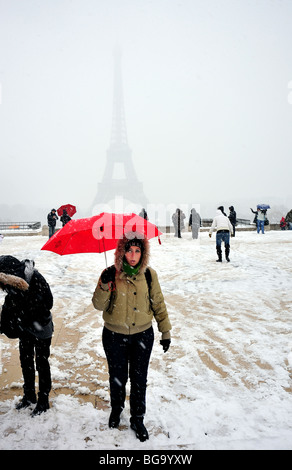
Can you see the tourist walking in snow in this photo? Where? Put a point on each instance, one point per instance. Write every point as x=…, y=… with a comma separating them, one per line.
x=223, y=228
x=52, y=219
x=123, y=293
x=195, y=223
x=26, y=315
x=143, y=214
x=232, y=218
x=261, y=220
x=178, y=222
x=283, y=223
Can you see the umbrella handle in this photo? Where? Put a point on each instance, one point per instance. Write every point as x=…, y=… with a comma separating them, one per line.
x=104, y=252
x=101, y=229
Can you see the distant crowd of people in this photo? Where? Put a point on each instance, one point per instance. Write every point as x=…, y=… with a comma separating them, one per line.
x=224, y=225
x=195, y=221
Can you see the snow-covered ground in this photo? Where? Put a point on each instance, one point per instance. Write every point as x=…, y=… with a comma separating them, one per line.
x=225, y=382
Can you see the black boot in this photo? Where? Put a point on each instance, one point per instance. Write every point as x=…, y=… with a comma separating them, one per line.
x=42, y=405
x=227, y=251
x=138, y=426
x=114, y=419
x=219, y=253
x=26, y=401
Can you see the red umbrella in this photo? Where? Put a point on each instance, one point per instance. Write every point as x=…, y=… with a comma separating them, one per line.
x=99, y=233
x=71, y=210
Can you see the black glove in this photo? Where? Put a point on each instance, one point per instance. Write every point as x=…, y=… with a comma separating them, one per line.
x=108, y=275
x=165, y=344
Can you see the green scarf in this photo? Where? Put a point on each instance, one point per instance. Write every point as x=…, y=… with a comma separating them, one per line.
x=129, y=269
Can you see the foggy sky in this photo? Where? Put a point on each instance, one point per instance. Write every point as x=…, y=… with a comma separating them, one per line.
x=207, y=93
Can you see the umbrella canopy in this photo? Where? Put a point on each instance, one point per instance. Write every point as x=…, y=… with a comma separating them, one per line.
x=71, y=210
x=263, y=207
x=99, y=233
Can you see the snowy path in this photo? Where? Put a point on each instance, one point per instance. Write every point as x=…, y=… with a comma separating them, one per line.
x=225, y=382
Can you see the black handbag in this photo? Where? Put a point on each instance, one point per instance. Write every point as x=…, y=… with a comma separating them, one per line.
x=10, y=324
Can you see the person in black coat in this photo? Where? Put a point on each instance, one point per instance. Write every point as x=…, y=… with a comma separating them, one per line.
x=65, y=218
x=26, y=314
x=52, y=220
x=232, y=218
x=143, y=214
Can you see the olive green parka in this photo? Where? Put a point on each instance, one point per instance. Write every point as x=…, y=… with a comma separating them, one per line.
x=127, y=308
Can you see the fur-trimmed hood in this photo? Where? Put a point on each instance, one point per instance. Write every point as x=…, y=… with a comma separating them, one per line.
x=127, y=309
x=13, y=281
x=121, y=249
x=15, y=273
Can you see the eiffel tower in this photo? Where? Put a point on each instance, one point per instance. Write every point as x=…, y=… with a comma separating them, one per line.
x=119, y=180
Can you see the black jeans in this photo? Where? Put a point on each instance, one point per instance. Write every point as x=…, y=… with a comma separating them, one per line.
x=30, y=347
x=128, y=356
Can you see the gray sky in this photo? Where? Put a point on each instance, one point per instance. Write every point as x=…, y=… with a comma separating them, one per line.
x=207, y=92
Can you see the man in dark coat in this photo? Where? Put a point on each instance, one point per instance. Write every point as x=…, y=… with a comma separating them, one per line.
x=232, y=218
x=52, y=220
x=143, y=214
x=26, y=315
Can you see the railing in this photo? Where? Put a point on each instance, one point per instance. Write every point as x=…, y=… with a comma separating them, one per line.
x=16, y=226
x=243, y=222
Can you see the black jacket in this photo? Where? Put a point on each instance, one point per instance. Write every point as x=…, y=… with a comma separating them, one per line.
x=26, y=309
x=65, y=218
x=52, y=219
x=232, y=216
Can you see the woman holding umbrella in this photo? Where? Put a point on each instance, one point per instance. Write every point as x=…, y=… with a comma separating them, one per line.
x=129, y=295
